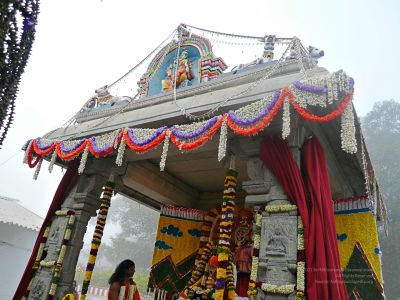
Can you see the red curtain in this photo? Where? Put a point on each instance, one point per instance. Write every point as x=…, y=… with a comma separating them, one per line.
x=64, y=188
x=313, y=198
x=278, y=158
x=322, y=245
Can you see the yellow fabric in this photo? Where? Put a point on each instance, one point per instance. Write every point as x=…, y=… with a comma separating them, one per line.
x=182, y=246
x=359, y=227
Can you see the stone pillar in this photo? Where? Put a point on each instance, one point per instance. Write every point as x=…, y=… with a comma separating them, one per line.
x=84, y=199
x=278, y=246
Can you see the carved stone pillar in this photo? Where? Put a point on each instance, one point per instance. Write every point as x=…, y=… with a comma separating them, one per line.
x=278, y=246
x=84, y=199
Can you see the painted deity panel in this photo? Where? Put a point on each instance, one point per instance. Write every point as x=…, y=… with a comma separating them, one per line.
x=186, y=72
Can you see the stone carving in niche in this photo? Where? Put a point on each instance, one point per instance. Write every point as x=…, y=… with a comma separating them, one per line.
x=279, y=236
x=55, y=235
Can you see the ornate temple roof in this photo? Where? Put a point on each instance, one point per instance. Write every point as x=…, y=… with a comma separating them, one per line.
x=186, y=96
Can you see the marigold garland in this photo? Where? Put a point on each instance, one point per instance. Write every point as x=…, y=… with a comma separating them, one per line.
x=321, y=119
x=97, y=236
x=224, y=271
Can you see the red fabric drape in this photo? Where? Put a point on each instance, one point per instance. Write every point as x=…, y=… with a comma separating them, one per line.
x=316, y=213
x=322, y=247
x=278, y=158
x=67, y=183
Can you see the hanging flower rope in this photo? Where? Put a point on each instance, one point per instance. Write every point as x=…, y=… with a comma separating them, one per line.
x=97, y=235
x=248, y=120
x=17, y=34
x=224, y=278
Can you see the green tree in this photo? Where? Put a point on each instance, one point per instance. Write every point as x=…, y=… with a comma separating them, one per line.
x=381, y=127
x=136, y=239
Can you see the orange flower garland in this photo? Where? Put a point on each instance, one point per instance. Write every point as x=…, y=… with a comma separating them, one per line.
x=71, y=155
x=193, y=140
x=328, y=117
x=146, y=147
x=264, y=122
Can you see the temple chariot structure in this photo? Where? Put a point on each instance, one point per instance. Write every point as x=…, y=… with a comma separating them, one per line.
x=260, y=173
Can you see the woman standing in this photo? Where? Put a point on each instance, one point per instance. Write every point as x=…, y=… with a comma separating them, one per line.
x=122, y=286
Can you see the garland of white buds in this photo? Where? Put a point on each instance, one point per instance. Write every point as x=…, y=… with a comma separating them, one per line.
x=121, y=149
x=348, y=130
x=223, y=140
x=84, y=158
x=286, y=119
x=165, y=150
x=53, y=160
x=37, y=170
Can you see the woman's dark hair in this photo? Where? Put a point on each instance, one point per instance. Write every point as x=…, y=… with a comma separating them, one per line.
x=120, y=272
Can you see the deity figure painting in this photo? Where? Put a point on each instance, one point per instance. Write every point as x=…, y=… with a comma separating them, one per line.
x=184, y=72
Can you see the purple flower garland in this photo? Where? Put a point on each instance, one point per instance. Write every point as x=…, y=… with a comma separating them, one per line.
x=317, y=89
x=191, y=135
x=256, y=118
x=73, y=148
x=92, y=141
x=149, y=140
x=40, y=145
x=310, y=88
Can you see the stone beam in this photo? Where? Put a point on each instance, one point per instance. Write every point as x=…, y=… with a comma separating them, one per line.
x=146, y=179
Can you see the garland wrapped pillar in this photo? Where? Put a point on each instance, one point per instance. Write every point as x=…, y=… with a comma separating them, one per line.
x=97, y=235
x=225, y=277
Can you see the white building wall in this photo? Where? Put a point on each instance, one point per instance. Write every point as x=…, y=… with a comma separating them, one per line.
x=16, y=245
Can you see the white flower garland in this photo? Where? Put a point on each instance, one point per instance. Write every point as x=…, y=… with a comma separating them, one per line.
x=348, y=130
x=301, y=265
x=286, y=119
x=223, y=140
x=280, y=208
x=253, y=109
x=52, y=160
x=47, y=264
x=165, y=150
x=187, y=128
x=121, y=149
x=285, y=289
x=106, y=140
x=38, y=167
x=84, y=158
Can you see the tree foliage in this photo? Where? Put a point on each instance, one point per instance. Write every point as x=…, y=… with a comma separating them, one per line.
x=137, y=236
x=381, y=127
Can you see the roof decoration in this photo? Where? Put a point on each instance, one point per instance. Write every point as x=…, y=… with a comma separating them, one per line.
x=333, y=93
x=188, y=61
x=185, y=59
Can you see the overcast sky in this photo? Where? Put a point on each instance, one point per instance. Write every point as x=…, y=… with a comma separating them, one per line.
x=81, y=45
